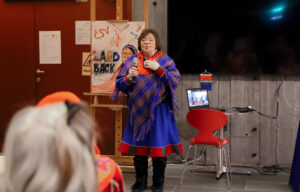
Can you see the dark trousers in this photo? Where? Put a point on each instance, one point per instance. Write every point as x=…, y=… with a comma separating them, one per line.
x=159, y=167
x=141, y=173
x=141, y=169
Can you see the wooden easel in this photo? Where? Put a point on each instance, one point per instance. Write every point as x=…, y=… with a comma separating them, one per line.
x=96, y=102
x=96, y=98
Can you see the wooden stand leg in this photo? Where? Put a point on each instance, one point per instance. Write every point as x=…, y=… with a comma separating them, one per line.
x=125, y=162
x=118, y=139
x=118, y=131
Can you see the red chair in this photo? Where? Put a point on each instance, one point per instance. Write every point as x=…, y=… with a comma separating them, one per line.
x=207, y=121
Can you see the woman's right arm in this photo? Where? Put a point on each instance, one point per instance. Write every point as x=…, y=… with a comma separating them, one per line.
x=124, y=80
x=124, y=84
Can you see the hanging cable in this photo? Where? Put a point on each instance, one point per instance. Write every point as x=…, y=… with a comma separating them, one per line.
x=271, y=170
x=250, y=109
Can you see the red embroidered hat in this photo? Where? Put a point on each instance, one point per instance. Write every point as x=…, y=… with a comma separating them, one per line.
x=62, y=96
x=59, y=96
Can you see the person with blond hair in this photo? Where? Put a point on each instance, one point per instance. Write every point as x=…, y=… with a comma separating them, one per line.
x=50, y=148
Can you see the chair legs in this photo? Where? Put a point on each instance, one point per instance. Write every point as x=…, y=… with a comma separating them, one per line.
x=185, y=162
x=226, y=160
x=192, y=161
x=228, y=167
x=195, y=157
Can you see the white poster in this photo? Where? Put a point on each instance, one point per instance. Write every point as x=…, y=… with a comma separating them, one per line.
x=108, y=39
x=50, y=47
x=82, y=32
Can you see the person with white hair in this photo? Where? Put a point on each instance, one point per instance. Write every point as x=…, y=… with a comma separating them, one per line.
x=50, y=148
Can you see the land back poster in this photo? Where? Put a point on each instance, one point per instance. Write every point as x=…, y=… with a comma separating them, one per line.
x=108, y=40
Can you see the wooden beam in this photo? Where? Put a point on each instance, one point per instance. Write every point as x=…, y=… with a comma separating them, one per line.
x=93, y=10
x=119, y=10
x=92, y=18
x=118, y=132
x=146, y=13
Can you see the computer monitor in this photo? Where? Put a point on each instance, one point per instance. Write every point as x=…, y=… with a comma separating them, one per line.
x=197, y=98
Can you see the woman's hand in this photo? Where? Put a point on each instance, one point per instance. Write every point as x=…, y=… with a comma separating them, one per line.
x=133, y=72
x=153, y=65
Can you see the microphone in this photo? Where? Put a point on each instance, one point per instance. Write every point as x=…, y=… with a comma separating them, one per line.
x=135, y=62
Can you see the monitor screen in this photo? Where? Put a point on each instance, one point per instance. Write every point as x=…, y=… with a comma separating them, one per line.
x=197, y=98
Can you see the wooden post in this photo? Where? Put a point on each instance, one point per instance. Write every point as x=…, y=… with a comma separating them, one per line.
x=92, y=18
x=93, y=10
x=146, y=13
x=118, y=131
x=119, y=10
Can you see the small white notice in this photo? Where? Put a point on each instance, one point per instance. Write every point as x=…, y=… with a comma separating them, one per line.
x=50, y=47
x=82, y=32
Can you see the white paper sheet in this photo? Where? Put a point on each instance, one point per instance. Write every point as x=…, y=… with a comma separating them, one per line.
x=82, y=32
x=50, y=47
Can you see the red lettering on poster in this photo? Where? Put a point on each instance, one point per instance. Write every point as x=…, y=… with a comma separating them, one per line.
x=139, y=28
x=101, y=32
x=118, y=38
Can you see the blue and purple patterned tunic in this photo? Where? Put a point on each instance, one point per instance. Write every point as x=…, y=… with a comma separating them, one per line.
x=151, y=127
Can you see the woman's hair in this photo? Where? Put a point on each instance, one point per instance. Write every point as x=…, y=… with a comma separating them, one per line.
x=49, y=149
x=131, y=48
x=146, y=32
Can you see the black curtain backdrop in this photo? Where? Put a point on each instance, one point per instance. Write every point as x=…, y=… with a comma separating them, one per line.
x=235, y=37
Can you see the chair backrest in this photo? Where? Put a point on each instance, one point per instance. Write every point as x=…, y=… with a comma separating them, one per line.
x=206, y=121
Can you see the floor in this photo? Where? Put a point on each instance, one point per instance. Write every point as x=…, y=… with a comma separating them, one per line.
x=207, y=182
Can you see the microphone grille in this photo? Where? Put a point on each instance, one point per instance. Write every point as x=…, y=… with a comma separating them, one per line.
x=135, y=61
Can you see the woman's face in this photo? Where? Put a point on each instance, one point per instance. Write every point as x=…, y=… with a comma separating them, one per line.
x=148, y=44
x=126, y=53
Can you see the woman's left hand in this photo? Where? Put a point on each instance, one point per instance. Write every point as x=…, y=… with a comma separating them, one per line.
x=153, y=65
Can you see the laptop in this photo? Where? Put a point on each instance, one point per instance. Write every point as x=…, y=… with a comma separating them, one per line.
x=198, y=99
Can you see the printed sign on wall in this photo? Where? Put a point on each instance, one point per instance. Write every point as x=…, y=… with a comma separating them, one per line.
x=108, y=40
x=86, y=64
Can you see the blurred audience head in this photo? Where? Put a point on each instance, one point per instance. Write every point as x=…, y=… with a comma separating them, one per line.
x=49, y=147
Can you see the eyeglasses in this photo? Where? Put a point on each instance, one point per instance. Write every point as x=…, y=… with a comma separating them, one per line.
x=127, y=54
x=147, y=40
